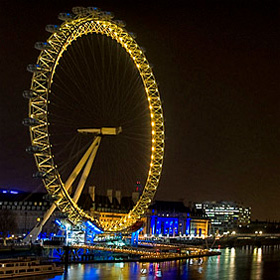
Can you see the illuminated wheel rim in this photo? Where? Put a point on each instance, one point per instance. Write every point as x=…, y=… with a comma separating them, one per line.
x=89, y=21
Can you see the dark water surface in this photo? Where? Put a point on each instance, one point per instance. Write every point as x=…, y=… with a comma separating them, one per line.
x=239, y=264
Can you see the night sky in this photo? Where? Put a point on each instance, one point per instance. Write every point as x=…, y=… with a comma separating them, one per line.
x=217, y=65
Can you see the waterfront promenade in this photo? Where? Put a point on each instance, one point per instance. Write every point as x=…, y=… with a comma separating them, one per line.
x=147, y=250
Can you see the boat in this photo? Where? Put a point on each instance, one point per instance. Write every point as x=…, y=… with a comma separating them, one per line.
x=14, y=268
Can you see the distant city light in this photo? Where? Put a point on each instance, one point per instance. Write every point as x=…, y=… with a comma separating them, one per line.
x=11, y=192
x=14, y=192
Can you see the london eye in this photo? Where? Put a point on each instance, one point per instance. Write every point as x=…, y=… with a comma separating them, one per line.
x=95, y=115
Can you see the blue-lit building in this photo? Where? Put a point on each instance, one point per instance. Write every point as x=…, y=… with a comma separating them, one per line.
x=171, y=218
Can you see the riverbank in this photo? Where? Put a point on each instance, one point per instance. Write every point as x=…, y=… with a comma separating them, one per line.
x=230, y=240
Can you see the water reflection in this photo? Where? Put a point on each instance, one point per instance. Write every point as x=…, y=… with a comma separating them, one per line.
x=233, y=264
x=257, y=264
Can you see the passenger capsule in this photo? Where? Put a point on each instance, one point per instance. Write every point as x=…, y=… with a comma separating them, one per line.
x=33, y=149
x=120, y=23
x=108, y=15
x=35, y=68
x=52, y=28
x=65, y=16
x=41, y=46
x=93, y=10
x=28, y=94
x=39, y=175
x=143, y=49
x=133, y=35
x=79, y=10
x=30, y=122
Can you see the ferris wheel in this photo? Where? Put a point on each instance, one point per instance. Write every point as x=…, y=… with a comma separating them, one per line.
x=93, y=85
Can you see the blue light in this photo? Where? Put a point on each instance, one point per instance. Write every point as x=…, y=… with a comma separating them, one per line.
x=188, y=226
x=13, y=192
x=58, y=222
x=164, y=225
x=93, y=227
x=4, y=191
x=153, y=226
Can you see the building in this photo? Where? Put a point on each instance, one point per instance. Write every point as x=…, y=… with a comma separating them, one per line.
x=110, y=207
x=199, y=226
x=225, y=215
x=172, y=218
x=27, y=208
x=163, y=218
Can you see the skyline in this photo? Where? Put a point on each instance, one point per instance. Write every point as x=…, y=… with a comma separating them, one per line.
x=217, y=68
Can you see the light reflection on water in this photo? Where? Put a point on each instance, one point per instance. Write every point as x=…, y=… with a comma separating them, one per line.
x=239, y=264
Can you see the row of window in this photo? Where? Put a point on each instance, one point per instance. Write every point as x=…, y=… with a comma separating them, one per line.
x=35, y=203
x=102, y=209
x=25, y=208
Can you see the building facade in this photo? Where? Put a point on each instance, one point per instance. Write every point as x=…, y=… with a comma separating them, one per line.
x=225, y=215
x=163, y=218
x=27, y=209
x=171, y=218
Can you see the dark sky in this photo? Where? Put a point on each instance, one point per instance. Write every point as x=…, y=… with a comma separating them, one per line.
x=217, y=65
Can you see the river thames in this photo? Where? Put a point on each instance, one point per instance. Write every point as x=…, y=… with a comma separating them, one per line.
x=240, y=264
